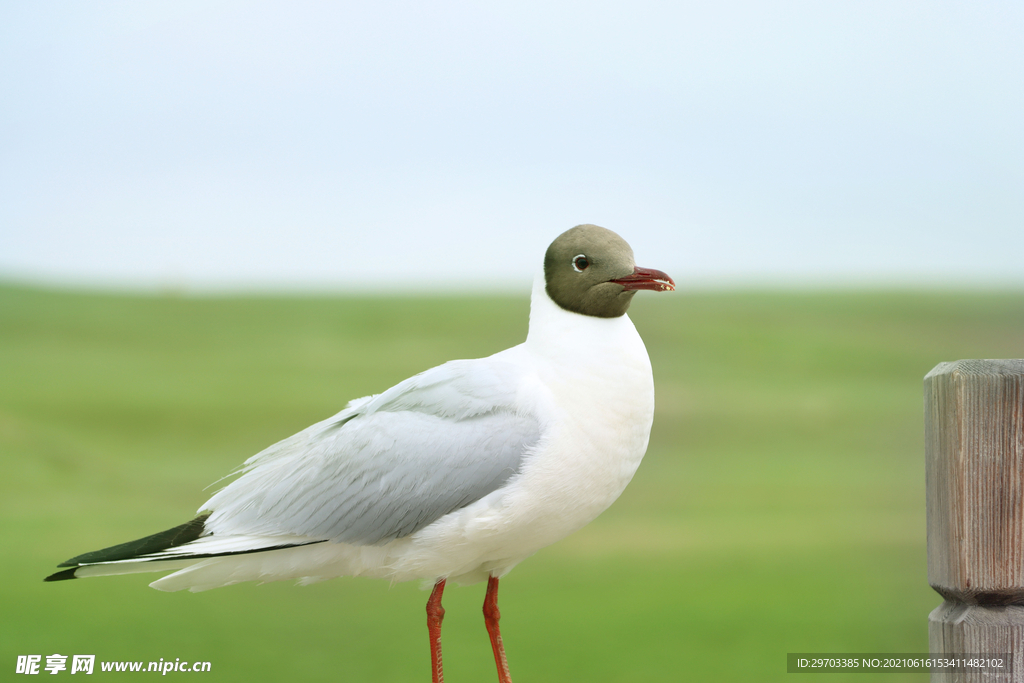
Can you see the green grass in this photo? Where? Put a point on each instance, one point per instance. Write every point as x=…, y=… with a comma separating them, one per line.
x=780, y=507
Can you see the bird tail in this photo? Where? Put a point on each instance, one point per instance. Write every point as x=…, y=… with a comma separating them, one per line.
x=176, y=548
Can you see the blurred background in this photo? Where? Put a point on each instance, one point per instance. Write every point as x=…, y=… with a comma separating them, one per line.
x=220, y=221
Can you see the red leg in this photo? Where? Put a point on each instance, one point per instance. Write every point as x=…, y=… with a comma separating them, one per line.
x=435, y=615
x=491, y=617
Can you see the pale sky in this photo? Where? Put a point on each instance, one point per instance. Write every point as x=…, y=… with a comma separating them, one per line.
x=407, y=145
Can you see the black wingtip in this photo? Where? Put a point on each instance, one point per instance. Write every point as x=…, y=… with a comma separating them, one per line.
x=140, y=548
x=62, y=576
x=179, y=535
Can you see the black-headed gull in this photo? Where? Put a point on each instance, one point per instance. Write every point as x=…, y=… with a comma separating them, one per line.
x=460, y=472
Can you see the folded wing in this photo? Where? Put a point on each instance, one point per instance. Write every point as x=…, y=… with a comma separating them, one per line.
x=388, y=465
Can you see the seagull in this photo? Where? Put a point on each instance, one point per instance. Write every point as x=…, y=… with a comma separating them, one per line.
x=458, y=473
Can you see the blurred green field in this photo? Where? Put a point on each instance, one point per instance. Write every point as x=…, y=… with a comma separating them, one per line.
x=780, y=507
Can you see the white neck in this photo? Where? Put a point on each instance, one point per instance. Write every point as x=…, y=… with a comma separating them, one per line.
x=560, y=334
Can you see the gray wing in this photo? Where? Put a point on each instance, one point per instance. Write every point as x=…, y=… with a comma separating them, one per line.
x=389, y=465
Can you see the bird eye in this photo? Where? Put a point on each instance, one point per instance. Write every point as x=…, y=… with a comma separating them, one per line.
x=580, y=263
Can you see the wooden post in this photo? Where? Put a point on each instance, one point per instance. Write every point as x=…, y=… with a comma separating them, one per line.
x=974, y=474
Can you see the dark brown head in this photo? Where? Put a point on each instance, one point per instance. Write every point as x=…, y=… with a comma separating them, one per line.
x=590, y=270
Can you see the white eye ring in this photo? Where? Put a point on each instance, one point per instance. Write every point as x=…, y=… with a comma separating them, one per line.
x=577, y=257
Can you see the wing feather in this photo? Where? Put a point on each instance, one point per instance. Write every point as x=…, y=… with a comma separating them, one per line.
x=390, y=464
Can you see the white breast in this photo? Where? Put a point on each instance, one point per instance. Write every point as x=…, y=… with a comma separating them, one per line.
x=597, y=376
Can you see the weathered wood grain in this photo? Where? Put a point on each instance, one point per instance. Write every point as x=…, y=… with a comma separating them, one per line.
x=956, y=628
x=974, y=455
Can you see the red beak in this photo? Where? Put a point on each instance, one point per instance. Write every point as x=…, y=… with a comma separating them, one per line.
x=646, y=278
